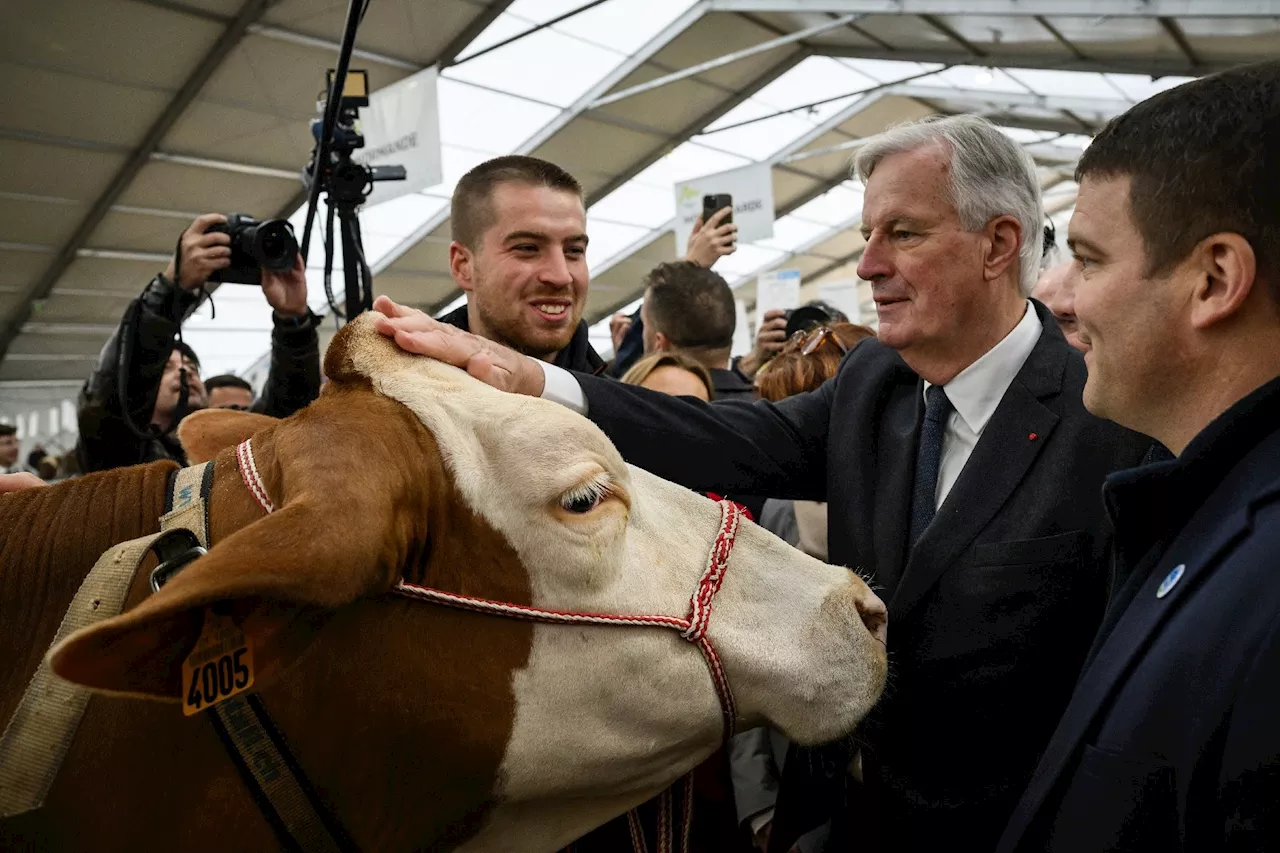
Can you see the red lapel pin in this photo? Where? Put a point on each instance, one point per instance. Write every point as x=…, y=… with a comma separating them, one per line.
x=1032, y=436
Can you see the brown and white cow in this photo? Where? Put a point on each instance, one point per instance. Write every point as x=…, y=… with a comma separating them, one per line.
x=422, y=727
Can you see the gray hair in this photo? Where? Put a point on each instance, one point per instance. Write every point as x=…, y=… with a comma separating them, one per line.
x=991, y=175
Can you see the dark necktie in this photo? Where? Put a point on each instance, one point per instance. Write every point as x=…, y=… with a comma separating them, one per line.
x=928, y=460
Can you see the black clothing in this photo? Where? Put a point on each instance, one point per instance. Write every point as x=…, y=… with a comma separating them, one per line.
x=105, y=439
x=731, y=385
x=1170, y=739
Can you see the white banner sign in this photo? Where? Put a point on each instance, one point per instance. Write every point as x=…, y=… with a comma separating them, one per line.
x=741, y=329
x=843, y=296
x=779, y=290
x=752, y=191
x=401, y=127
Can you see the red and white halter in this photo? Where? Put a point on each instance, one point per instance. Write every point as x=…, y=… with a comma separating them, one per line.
x=692, y=627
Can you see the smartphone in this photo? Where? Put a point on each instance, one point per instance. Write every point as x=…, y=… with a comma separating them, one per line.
x=713, y=203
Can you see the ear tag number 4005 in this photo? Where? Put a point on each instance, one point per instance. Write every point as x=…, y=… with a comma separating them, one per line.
x=219, y=667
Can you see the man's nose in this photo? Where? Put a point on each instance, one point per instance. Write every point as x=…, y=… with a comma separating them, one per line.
x=556, y=271
x=874, y=264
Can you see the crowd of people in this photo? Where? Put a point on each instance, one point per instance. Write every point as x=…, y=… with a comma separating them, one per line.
x=1063, y=478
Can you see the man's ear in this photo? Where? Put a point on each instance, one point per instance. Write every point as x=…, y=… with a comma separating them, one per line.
x=1225, y=269
x=461, y=265
x=208, y=431
x=1004, y=242
x=661, y=343
x=343, y=528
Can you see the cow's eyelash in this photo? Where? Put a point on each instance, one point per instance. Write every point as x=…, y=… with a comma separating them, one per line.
x=586, y=496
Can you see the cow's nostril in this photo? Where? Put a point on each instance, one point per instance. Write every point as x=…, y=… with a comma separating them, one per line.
x=875, y=616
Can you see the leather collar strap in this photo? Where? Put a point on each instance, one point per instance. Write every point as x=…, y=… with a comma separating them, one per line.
x=259, y=751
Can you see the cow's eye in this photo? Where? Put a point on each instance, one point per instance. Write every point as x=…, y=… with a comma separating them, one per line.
x=586, y=497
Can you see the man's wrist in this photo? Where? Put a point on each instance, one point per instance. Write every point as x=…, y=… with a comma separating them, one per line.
x=290, y=321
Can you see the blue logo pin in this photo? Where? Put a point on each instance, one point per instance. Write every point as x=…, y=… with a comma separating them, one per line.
x=1171, y=580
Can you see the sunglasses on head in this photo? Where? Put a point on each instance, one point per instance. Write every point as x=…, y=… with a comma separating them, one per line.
x=813, y=338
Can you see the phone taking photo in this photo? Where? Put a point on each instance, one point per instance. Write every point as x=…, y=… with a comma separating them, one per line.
x=711, y=204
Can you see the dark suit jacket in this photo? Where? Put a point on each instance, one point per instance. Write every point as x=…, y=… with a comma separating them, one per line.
x=731, y=385
x=1171, y=740
x=990, y=617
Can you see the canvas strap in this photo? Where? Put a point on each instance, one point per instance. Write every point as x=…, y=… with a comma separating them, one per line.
x=38, y=735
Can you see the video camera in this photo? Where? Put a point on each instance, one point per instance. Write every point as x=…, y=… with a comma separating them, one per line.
x=255, y=246
x=346, y=179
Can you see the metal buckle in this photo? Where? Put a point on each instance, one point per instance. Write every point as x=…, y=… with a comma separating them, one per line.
x=176, y=549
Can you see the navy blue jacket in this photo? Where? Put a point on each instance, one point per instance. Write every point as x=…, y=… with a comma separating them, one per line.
x=1171, y=740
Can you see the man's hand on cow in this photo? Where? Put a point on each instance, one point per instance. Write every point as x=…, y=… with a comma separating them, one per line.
x=710, y=242
x=417, y=332
x=18, y=482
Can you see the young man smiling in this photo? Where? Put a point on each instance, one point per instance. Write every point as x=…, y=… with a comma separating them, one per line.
x=519, y=251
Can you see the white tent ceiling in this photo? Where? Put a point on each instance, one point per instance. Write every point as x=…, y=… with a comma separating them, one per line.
x=127, y=117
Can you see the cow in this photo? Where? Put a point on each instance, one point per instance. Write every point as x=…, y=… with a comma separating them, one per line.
x=421, y=727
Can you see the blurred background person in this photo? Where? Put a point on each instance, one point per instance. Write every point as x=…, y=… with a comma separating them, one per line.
x=227, y=391
x=707, y=244
x=9, y=449
x=777, y=327
x=1056, y=288
x=690, y=309
x=674, y=373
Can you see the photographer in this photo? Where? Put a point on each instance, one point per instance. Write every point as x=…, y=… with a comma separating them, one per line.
x=162, y=376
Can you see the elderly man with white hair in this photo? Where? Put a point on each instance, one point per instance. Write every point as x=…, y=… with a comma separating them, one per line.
x=960, y=470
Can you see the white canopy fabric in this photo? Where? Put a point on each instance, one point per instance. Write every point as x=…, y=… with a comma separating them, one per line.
x=127, y=118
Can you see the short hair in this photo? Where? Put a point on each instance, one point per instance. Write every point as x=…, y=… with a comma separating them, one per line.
x=990, y=176
x=227, y=380
x=8, y=429
x=792, y=372
x=691, y=305
x=471, y=211
x=187, y=352
x=1202, y=158
x=640, y=371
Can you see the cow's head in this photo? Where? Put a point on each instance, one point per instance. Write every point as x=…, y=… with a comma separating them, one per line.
x=408, y=468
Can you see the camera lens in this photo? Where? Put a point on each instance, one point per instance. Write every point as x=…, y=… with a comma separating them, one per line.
x=276, y=245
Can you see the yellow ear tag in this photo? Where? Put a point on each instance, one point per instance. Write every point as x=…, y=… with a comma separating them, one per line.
x=219, y=667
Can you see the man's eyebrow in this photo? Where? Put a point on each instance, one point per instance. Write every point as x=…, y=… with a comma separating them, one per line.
x=527, y=235
x=895, y=219
x=540, y=237
x=1077, y=243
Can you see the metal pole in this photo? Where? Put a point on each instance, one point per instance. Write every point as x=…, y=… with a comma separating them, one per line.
x=531, y=31
x=790, y=38
x=355, y=10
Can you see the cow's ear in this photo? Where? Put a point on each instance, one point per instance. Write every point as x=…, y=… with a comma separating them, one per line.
x=204, y=433
x=343, y=528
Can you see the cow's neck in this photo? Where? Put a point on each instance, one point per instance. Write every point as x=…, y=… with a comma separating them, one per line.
x=49, y=539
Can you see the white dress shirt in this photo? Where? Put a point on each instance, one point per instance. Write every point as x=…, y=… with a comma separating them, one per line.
x=974, y=393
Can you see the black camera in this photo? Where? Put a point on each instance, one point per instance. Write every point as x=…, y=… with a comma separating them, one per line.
x=811, y=315
x=255, y=246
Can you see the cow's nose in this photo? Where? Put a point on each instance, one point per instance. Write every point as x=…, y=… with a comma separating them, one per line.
x=875, y=616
